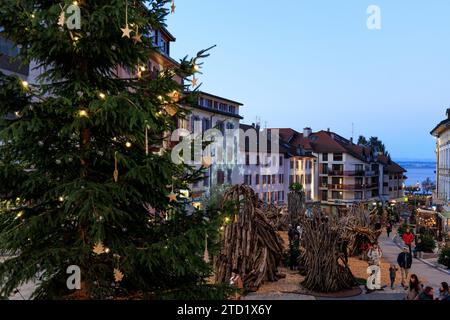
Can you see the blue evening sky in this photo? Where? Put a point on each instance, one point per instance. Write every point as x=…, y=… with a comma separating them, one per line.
x=297, y=63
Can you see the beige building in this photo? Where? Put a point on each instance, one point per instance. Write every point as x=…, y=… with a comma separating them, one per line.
x=442, y=134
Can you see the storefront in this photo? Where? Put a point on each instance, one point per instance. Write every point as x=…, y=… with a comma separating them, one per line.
x=427, y=222
x=444, y=221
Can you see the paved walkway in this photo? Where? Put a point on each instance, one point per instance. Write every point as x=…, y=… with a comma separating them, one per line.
x=427, y=274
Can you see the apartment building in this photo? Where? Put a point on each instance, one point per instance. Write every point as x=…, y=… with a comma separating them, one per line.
x=336, y=172
x=442, y=134
x=214, y=112
x=393, y=180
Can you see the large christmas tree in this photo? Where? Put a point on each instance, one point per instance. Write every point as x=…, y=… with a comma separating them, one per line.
x=79, y=171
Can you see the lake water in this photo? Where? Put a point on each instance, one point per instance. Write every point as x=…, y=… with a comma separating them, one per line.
x=418, y=171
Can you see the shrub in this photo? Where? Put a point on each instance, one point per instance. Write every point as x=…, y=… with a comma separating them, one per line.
x=296, y=187
x=444, y=256
x=428, y=243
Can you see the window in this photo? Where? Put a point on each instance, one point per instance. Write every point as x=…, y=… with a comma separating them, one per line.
x=308, y=195
x=280, y=179
x=292, y=164
x=324, y=169
x=257, y=179
x=281, y=161
x=308, y=179
x=248, y=179
x=325, y=157
x=359, y=181
x=324, y=195
x=230, y=174
x=359, y=168
x=291, y=179
x=220, y=177
x=338, y=157
x=233, y=109
x=299, y=165
x=264, y=179
x=358, y=195
x=268, y=179
x=274, y=179
x=324, y=182
x=247, y=159
x=216, y=105
x=338, y=195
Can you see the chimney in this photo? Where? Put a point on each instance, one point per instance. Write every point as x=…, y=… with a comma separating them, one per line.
x=307, y=132
x=448, y=113
x=351, y=140
x=328, y=130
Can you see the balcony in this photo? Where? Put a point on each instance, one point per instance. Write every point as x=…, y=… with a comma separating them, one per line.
x=360, y=173
x=339, y=173
x=352, y=187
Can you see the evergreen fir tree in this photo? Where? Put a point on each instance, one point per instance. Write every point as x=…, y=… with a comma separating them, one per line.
x=60, y=142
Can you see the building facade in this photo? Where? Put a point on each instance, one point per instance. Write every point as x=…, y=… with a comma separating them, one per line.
x=442, y=134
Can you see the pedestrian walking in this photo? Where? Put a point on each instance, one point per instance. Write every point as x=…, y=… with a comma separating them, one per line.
x=404, y=261
x=444, y=292
x=374, y=255
x=414, y=288
x=408, y=239
x=427, y=294
x=418, y=249
x=393, y=274
x=236, y=281
x=389, y=229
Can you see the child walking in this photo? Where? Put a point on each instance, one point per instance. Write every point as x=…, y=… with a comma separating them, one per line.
x=393, y=274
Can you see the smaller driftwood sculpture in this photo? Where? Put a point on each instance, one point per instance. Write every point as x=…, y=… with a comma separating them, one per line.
x=251, y=244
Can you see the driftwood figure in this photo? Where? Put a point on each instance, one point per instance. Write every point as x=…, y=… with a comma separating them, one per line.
x=325, y=253
x=327, y=241
x=296, y=206
x=251, y=244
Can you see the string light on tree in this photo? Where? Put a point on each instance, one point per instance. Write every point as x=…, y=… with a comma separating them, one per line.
x=25, y=84
x=102, y=96
x=83, y=114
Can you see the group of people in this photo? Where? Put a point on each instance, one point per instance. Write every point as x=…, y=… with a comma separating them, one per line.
x=417, y=291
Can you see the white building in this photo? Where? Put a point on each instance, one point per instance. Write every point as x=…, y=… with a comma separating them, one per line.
x=442, y=134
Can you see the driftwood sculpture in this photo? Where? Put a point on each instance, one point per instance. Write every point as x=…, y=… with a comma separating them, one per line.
x=327, y=241
x=251, y=244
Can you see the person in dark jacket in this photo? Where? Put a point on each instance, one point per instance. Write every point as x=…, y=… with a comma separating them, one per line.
x=291, y=233
x=404, y=261
x=389, y=229
x=444, y=292
x=427, y=294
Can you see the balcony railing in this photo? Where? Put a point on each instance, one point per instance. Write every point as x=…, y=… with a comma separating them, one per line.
x=352, y=187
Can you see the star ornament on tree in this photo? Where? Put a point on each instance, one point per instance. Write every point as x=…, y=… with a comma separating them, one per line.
x=194, y=82
x=118, y=275
x=173, y=7
x=126, y=31
x=172, y=197
x=99, y=248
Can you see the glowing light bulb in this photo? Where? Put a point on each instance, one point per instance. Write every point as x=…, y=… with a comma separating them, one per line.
x=102, y=95
x=142, y=68
x=107, y=250
x=19, y=214
x=76, y=38
x=196, y=67
x=75, y=3
x=82, y=113
x=128, y=144
x=25, y=84
x=61, y=199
